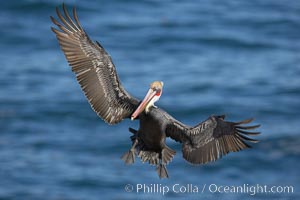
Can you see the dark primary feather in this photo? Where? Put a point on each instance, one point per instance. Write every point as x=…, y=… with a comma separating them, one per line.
x=94, y=70
x=211, y=139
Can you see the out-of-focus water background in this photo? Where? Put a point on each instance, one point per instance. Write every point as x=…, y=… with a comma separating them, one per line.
x=240, y=58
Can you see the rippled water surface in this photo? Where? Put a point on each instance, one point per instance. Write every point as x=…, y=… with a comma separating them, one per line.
x=239, y=58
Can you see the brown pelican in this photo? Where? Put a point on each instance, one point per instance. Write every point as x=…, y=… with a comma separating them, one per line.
x=97, y=76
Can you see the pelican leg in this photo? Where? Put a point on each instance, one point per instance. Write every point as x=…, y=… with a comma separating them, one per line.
x=129, y=156
x=134, y=135
x=133, y=131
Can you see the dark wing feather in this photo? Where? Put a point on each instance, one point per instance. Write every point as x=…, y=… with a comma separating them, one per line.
x=94, y=70
x=211, y=139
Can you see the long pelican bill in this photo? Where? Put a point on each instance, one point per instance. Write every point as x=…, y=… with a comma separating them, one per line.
x=149, y=96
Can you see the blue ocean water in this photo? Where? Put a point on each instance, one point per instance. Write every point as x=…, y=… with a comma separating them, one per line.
x=239, y=58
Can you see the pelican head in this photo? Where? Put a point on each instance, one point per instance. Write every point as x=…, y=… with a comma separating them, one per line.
x=151, y=97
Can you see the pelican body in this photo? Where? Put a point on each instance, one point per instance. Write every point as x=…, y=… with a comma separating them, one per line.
x=97, y=76
x=151, y=138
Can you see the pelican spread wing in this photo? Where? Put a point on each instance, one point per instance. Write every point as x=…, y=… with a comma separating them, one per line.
x=94, y=70
x=211, y=139
x=97, y=76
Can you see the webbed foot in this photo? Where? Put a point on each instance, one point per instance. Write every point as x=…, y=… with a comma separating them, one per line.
x=129, y=156
x=162, y=171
